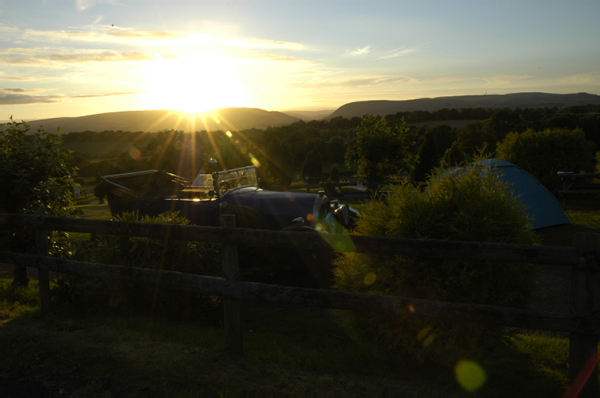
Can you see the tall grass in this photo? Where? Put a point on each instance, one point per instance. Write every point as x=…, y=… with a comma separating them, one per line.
x=17, y=300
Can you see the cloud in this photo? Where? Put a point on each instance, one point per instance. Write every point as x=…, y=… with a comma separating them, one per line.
x=21, y=90
x=361, y=51
x=21, y=56
x=398, y=52
x=271, y=57
x=265, y=44
x=582, y=78
x=20, y=99
x=83, y=5
x=22, y=96
x=103, y=33
x=17, y=78
x=357, y=82
x=107, y=95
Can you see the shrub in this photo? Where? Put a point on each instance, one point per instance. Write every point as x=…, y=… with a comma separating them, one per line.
x=467, y=206
x=34, y=171
x=161, y=254
x=543, y=154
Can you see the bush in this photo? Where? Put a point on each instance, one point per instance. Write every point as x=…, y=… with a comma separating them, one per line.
x=467, y=206
x=34, y=172
x=543, y=154
x=161, y=254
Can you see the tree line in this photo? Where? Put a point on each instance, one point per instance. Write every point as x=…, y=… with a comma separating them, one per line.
x=313, y=149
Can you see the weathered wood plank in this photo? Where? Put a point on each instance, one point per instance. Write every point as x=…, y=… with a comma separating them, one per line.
x=585, y=301
x=264, y=238
x=584, y=324
x=232, y=322
x=41, y=243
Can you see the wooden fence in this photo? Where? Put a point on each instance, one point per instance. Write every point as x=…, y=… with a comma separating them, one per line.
x=582, y=322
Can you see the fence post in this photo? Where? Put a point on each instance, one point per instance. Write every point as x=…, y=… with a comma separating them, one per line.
x=232, y=321
x=41, y=243
x=585, y=300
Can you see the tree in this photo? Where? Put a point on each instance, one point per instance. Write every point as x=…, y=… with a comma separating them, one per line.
x=313, y=166
x=381, y=148
x=34, y=171
x=280, y=162
x=544, y=153
x=335, y=173
x=437, y=140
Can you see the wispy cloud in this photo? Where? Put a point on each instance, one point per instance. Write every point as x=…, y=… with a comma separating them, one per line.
x=25, y=56
x=250, y=42
x=20, y=99
x=271, y=57
x=582, y=78
x=21, y=96
x=398, y=52
x=357, y=82
x=107, y=95
x=21, y=90
x=102, y=33
x=17, y=78
x=361, y=51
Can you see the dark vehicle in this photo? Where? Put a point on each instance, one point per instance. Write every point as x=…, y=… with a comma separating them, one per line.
x=236, y=191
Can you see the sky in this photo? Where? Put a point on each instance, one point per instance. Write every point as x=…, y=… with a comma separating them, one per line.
x=78, y=57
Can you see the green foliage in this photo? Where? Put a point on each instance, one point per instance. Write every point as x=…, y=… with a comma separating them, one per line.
x=280, y=158
x=468, y=206
x=139, y=252
x=453, y=156
x=543, y=154
x=381, y=148
x=335, y=173
x=34, y=172
x=313, y=166
x=437, y=140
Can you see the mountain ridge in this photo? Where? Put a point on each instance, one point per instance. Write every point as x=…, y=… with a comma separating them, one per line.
x=515, y=100
x=160, y=120
x=247, y=118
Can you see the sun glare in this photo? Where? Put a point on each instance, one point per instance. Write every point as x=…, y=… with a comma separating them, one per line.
x=193, y=84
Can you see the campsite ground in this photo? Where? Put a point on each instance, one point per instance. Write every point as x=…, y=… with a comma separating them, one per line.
x=287, y=353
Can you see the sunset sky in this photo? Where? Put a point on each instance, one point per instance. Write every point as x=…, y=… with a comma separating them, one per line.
x=73, y=58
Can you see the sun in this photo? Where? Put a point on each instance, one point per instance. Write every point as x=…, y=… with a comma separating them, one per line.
x=193, y=84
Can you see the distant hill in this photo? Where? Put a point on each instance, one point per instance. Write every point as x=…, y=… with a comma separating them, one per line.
x=519, y=100
x=310, y=115
x=160, y=120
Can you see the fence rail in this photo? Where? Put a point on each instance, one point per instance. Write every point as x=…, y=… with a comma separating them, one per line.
x=582, y=323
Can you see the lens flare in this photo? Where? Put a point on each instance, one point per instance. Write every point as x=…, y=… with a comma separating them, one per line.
x=254, y=160
x=470, y=375
x=370, y=278
x=426, y=336
x=229, y=134
x=411, y=308
x=135, y=154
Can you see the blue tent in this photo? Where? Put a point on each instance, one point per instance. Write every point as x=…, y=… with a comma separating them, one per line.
x=543, y=207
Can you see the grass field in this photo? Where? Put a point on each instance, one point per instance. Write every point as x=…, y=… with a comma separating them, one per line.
x=288, y=351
